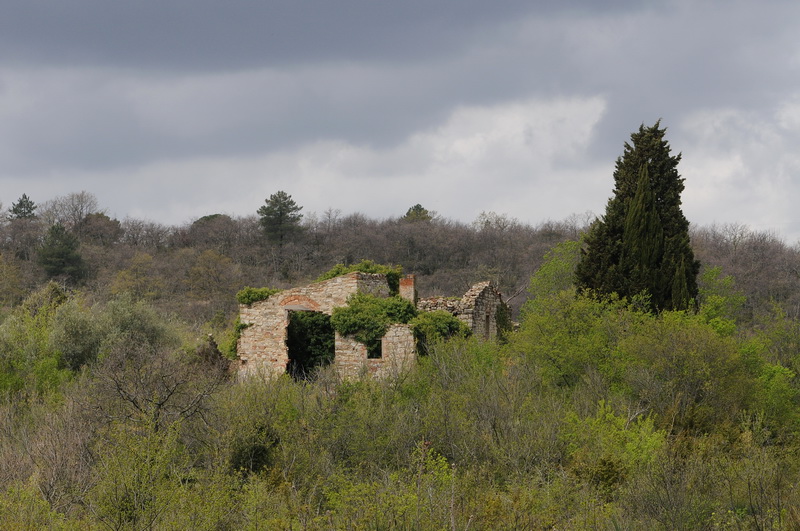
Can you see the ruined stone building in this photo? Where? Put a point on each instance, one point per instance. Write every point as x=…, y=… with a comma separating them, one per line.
x=262, y=346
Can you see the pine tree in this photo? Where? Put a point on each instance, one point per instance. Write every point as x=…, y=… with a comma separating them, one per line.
x=417, y=213
x=24, y=208
x=59, y=255
x=641, y=244
x=280, y=217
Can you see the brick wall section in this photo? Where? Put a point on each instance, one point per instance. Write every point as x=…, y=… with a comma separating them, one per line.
x=408, y=288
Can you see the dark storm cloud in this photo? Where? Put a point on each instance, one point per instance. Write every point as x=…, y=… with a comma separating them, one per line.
x=206, y=34
x=307, y=93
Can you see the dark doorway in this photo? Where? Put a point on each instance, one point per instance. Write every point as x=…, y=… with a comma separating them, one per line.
x=310, y=341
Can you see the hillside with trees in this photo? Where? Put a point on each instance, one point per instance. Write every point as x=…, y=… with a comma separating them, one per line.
x=624, y=398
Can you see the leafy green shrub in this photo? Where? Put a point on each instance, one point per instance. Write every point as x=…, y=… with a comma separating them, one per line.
x=127, y=321
x=75, y=334
x=250, y=295
x=28, y=358
x=230, y=339
x=557, y=272
x=605, y=448
x=367, y=318
x=721, y=302
x=439, y=325
x=392, y=273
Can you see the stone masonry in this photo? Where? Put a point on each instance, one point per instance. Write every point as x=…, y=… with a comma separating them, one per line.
x=262, y=344
x=477, y=308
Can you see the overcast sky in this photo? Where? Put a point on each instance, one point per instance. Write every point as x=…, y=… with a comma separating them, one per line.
x=173, y=109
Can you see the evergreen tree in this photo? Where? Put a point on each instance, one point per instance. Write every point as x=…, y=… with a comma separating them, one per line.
x=642, y=239
x=24, y=208
x=641, y=244
x=59, y=255
x=417, y=213
x=280, y=217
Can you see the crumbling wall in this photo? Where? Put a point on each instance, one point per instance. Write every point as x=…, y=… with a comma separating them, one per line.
x=477, y=308
x=398, y=353
x=262, y=344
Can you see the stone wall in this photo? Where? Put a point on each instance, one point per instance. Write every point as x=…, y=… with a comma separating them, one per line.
x=262, y=345
x=398, y=353
x=477, y=308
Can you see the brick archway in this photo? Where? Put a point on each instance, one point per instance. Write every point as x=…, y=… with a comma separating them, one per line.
x=301, y=303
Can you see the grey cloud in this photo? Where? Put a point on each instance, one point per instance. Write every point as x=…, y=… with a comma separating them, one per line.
x=201, y=34
x=91, y=86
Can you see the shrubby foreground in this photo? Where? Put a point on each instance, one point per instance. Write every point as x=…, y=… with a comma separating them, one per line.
x=594, y=414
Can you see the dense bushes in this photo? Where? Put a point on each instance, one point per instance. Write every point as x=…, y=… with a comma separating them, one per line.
x=594, y=414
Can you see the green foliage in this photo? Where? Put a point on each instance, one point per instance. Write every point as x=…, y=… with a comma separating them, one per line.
x=720, y=301
x=75, y=334
x=604, y=449
x=367, y=318
x=23, y=507
x=27, y=357
x=210, y=275
x=393, y=273
x=139, y=279
x=557, y=272
x=417, y=213
x=418, y=498
x=777, y=398
x=59, y=256
x=139, y=477
x=280, y=217
x=53, y=334
x=99, y=229
x=597, y=414
x=504, y=323
x=24, y=208
x=436, y=326
x=125, y=321
x=228, y=344
x=642, y=242
x=565, y=334
x=691, y=377
x=250, y=295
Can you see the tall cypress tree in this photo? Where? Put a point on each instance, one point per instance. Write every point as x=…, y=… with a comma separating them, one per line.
x=641, y=244
x=642, y=239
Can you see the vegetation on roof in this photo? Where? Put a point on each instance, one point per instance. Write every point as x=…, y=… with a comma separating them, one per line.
x=392, y=273
x=250, y=295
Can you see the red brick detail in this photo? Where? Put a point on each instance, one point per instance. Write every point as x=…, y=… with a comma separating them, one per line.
x=408, y=288
x=302, y=301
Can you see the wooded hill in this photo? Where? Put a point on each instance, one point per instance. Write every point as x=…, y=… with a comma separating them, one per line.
x=118, y=410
